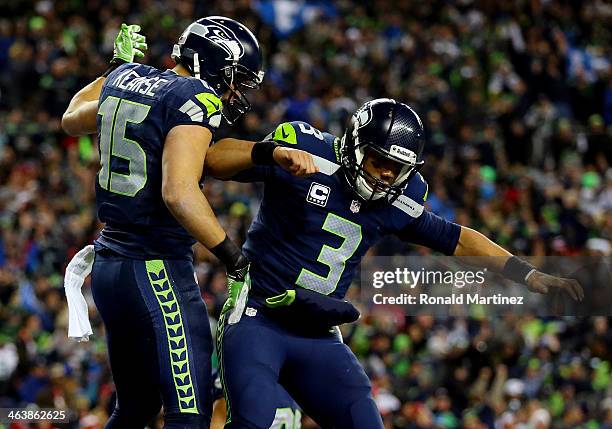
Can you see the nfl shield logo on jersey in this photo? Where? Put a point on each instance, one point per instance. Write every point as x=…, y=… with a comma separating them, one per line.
x=355, y=206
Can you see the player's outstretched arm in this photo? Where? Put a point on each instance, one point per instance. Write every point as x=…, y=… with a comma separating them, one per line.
x=81, y=114
x=229, y=156
x=473, y=243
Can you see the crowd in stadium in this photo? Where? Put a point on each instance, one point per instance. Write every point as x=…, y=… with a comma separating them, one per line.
x=517, y=102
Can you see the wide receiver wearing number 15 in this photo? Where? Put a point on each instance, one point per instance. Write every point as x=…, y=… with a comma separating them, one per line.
x=154, y=131
x=304, y=247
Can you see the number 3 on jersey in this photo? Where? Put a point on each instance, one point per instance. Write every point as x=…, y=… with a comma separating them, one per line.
x=116, y=114
x=335, y=259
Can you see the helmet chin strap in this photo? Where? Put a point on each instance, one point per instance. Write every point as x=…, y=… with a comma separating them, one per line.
x=196, y=65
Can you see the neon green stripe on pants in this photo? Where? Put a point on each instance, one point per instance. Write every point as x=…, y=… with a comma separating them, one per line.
x=175, y=333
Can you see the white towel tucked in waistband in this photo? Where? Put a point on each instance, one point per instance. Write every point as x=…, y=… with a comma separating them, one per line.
x=77, y=271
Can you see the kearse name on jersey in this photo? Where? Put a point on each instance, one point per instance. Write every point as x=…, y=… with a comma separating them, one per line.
x=129, y=80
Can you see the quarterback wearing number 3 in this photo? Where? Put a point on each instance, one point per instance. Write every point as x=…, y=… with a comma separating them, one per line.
x=304, y=246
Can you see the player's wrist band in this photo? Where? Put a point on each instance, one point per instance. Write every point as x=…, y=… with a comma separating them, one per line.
x=114, y=63
x=263, y=153
x=518, y=270
x=230, y=254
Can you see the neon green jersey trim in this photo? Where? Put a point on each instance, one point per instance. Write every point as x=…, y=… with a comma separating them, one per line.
x=285, y=133
x=211, y=102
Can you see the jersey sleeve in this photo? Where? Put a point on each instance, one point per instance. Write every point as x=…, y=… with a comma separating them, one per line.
x=303, y=136
x=412, y=223
x=191, y=102
x=432, y=231
x=324, y=147
x=296, y=135
x=285, y=134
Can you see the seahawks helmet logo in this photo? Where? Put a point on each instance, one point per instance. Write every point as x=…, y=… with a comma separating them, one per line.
x=222, y=37
x=361, y=118
x=364, y=116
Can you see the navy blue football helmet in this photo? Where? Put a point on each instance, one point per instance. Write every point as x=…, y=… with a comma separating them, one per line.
x=225, y=54
x=394, y=131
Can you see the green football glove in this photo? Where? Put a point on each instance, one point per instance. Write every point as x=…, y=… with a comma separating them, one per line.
x=238, y=285
x=129, y=44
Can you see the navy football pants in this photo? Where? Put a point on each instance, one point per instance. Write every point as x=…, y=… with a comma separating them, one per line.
x=260, y=362
x=159, y=340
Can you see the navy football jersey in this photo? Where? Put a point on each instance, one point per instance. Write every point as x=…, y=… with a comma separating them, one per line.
x=138, y=106
x=312, y=232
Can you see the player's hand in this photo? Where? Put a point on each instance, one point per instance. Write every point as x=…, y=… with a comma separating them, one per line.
x=295, y=161
x=541, y=283
x=238, y=286
x=129, y=44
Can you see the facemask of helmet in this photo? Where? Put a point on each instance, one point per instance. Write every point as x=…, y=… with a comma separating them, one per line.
x=368, y=187
x=390, y=130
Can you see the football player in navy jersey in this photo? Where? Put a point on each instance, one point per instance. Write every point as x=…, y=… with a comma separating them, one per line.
x=304, y=247
x=154, y=129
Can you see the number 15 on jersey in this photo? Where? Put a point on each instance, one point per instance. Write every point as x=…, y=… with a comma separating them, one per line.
x=116, y=115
